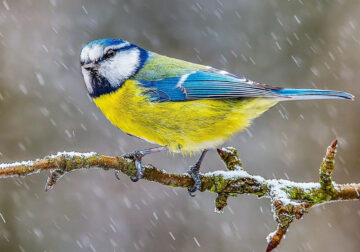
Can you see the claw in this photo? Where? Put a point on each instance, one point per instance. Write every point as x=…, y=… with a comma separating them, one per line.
x=136, y=156
x=194, y=173
x=117, y=175
x=139, y=169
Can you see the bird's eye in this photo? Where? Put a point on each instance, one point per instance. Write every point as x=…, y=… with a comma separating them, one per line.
x=109, y=53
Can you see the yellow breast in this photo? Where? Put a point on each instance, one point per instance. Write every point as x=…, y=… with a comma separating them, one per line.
x=182, y=126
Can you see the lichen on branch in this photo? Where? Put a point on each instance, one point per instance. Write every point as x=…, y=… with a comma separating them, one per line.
x=289, y=200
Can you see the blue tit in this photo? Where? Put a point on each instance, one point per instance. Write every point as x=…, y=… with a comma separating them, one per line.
x=181, y=106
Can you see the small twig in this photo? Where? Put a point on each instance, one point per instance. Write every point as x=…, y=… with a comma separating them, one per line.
x=284, y=215
x=327, y=166
x=289, y=200
x=55, y=176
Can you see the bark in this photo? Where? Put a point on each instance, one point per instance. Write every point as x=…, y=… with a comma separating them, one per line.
x=289, y=200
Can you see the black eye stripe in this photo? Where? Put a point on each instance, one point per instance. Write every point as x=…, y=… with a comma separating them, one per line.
x=109, y=54
x=105, y=56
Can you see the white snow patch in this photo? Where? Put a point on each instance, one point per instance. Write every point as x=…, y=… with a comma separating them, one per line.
x=277, y=189
x=218, y=211
x=32, y=163
x=72, y=154
x=23, y=163
x=270, y=236
x=234, y=175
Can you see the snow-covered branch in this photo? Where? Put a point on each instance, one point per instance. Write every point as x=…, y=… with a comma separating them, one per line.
x=289, y=200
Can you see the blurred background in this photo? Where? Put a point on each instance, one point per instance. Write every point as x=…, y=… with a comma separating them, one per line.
x=44, y=108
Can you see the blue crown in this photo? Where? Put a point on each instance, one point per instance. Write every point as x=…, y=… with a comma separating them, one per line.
x=106, y=42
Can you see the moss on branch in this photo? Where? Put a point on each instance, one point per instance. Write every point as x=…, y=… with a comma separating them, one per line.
x=289, y=200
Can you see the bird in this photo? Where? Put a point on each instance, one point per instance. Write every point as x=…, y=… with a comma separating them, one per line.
x=182, y=107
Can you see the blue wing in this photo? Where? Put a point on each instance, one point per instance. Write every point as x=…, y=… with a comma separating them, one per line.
x=205, y=84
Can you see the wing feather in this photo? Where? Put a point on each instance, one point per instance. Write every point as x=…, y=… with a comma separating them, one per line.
x=205, y=84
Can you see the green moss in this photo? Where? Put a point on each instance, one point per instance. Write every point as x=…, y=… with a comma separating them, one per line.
x=219, y=184
x=221, y=201
x=315, y=196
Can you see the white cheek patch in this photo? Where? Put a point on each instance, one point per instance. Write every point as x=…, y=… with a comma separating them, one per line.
x=121, y=66
x=87, y=80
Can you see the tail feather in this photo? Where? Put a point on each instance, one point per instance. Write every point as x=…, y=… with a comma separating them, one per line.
x=310, y=94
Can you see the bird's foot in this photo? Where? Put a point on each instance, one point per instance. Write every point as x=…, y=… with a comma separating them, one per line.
x=136, y=156
x=194, y=173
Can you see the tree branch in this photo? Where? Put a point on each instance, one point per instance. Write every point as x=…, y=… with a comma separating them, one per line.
x=289, y=200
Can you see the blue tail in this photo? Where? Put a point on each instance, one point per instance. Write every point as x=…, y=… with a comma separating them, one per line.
x=309, y=94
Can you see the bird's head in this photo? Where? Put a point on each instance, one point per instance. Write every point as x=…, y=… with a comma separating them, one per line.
x=107, y=63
